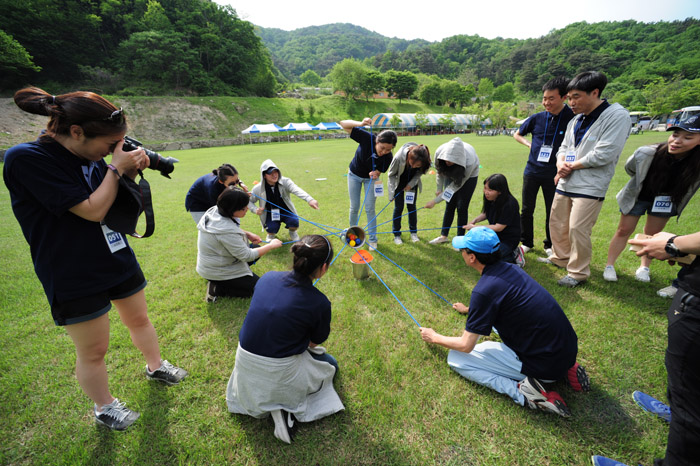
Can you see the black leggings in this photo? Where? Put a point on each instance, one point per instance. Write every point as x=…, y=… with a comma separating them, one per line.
x=241, y=287
x=460, y=202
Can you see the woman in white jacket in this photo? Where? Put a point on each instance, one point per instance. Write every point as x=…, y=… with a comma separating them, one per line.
x=664, y=178
x=411, y=162
x=223, y=252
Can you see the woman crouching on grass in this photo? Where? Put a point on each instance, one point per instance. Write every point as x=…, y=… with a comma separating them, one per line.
x=61, y=190
x=280, y=370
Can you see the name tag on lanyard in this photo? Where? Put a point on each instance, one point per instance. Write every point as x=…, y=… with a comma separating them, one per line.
x=115, y=241
x=570, y=156
x=545, y=154
x=410, y=197
x=662, y=205
x=378, y=189
x=447, y=194
x=275, y=214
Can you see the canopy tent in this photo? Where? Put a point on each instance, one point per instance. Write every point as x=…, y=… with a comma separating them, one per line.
x=408, y=120
x=328, y=126
x=299, y=127
x=260, y=128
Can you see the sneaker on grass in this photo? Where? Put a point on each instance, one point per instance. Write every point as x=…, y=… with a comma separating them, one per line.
x=569, y=282
x=652, y=405
x=397, y=240
x=285, y=425
x=414, y=237
x=526, y=249
x=609, y=274
x=667, y=292
x=642, y=274
x=372, y=245
x=520, y=256
x=578, y=378
x=270, y=237
x=115, y=415
x=167, y=373
x=548, y=251
x=535, y=394
x=293, y=235
x=439, y=240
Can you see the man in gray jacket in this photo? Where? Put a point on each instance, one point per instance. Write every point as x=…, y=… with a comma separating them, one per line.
x=586, y=163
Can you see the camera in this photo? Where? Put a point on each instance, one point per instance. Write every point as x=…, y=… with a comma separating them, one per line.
x=165, y=165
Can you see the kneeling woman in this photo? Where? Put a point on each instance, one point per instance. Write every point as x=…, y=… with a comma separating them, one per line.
x=223, y=254
x=280, y=370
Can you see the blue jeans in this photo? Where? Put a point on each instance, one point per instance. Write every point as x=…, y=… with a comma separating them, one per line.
x=355, y=191
x=288, y=218
x=492, y=365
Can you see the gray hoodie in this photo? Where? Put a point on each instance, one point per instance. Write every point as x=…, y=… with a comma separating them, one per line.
x=222, y=248
x=286, y=186
x=396, y=169
x=598, y=151
x=458, y=152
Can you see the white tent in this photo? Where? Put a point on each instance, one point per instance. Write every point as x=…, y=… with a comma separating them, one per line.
x=299, y=127
x=324, y=126
x=260, y=128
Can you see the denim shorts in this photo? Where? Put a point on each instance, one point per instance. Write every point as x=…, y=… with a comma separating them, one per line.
x=644, y=207
x=91, y=307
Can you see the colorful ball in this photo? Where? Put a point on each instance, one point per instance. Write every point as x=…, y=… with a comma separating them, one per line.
x=352, y=243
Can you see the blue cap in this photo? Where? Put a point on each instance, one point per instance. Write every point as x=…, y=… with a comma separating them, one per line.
x=692, y=125
x=480, y=239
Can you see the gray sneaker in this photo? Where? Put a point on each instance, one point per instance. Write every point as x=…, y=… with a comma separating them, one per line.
x=667, y=292
x=293, y=235
x=115, y=415
x=569, y=282
x=167, y=373
x=535, y=394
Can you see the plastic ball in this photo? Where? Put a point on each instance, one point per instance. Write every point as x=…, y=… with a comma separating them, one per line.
x=352, y=243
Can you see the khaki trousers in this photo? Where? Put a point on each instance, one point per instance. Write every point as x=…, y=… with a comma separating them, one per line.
x=570, y=224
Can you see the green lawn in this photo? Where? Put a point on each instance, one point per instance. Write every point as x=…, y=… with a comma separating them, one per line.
x=403, y=404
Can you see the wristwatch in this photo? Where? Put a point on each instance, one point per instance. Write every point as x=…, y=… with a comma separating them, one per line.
x=672, y=250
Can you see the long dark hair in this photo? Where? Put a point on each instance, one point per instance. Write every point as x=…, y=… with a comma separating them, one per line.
x=387, y=137
x=497, y=182
x=660, y=172
x=310, y=253
x=454, y=172
x=224, y=171
x=422, y=154
x=95, y=114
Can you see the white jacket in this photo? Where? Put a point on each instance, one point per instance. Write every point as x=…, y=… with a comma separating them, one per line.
x=286, y=187
x=458, y=152
x=396, y=169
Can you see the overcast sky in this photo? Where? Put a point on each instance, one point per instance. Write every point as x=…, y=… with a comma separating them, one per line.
x=434, y=20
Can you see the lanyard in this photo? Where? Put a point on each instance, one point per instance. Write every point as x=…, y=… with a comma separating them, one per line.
x=546, y=122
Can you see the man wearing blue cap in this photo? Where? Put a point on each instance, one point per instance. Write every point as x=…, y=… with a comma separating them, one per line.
x=539, y=344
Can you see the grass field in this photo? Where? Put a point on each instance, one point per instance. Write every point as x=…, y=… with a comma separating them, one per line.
x=403, y=404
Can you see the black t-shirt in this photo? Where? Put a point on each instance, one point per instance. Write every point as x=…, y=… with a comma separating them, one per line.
x=366, y=159
x=689, y=279
x=508, y=215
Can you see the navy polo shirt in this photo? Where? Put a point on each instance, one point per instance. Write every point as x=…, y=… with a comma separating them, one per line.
x=70, y=254
x=361, y=164
x=286, y=313
x=555, y=126
x=584, y=122
x=528, y=319
x=508, y=215
x=203, y=193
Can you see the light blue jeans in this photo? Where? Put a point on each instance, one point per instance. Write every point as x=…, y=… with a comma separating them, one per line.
x=355, y=191
x=492, y=365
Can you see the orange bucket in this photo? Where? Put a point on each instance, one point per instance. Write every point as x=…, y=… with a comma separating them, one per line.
x=360, y=269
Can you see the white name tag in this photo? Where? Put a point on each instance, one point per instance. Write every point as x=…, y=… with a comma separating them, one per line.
x=447, y=194
x=662, y=205
x=275, y=215
x=378, y=189
x=410, y=197
x=570, y=157
x=115, y=240
x=545, y=154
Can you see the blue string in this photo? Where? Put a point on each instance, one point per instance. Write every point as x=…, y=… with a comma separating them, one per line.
x=392, y=293
x=388, y=204
x=402, y=215
x=320, y=225
x=409, y=274
x=418, y=229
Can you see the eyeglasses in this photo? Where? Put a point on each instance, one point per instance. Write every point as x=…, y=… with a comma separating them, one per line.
x=117, y=116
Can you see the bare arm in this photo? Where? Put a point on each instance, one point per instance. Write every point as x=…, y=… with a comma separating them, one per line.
x=521, y=139
x=465, y=343
x=656, y=246
x=348, y=125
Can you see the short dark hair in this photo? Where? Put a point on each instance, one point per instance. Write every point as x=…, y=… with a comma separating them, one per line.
x=560, y=83
x=422, y=154
x=310, y=253
x=231, y=200
x=485, y=258
x=588, y=81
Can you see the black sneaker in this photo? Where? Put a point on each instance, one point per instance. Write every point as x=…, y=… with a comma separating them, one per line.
x=116, y=415
x=285, y=425
x=210, y=297
x=167, y=373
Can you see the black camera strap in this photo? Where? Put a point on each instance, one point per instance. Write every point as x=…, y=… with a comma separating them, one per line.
x=147, y=205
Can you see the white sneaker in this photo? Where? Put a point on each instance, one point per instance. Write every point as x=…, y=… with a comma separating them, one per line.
x=372, y=245
x=397, y=240
x=548, y=251
x=415, y=238
x=668, y=292
x=439, y=240
x=525, y=249
x=642, y=274
x=609, y=274
x=293, y=235
x=284, y=425
x=270, y=237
